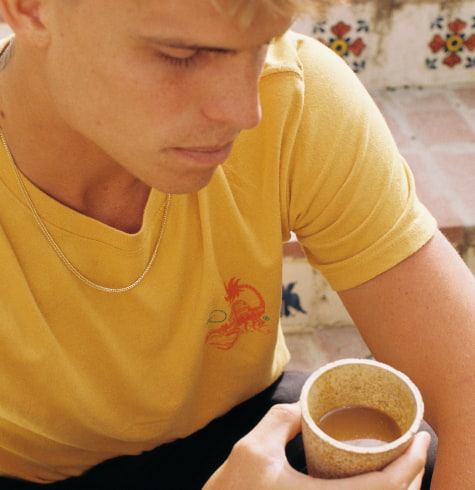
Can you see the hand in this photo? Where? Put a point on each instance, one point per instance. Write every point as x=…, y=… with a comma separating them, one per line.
x=258, y=461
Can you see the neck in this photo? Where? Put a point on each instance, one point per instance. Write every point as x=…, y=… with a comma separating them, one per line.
x=69, y=169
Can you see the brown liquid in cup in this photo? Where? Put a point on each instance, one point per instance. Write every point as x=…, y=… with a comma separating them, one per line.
x=360, y=426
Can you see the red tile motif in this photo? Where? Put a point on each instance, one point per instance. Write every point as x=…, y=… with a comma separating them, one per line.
x=341, y=40
x=456, y=42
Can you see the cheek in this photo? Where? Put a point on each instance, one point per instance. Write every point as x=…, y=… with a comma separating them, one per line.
x=105, y=98
x=158, y=108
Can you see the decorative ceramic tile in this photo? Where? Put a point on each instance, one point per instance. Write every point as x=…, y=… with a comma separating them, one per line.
x=346, y=40
x=291, y=303
x=307, y=299
x=401, y=43
x=454, y=43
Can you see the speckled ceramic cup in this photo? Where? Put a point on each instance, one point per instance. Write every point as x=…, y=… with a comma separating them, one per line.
x=356, y=382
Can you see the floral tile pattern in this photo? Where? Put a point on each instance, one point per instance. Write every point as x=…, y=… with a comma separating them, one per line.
x=454, y=43
x=345, y=40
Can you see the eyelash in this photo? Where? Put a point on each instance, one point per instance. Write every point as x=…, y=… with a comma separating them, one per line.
x=181, y=62
x=190, y=61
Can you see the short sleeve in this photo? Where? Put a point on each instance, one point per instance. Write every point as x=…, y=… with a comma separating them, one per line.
x=346, y=191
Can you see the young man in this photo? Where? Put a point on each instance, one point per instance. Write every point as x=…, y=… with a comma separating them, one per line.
x=155, y=155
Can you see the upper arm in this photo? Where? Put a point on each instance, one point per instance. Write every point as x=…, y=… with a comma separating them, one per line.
x=420, y=317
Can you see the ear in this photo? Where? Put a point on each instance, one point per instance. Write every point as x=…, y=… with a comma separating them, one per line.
x=25, y=17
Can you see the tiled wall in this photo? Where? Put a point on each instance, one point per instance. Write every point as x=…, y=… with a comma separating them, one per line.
x=397, y=43
x=308, y=302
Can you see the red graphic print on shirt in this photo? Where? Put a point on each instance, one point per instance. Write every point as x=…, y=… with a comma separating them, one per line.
x=247, y=314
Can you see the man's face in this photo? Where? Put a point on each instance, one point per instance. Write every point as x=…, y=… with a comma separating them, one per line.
x=162, y=87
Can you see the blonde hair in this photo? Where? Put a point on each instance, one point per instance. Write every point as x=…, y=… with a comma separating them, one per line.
x=244, y=9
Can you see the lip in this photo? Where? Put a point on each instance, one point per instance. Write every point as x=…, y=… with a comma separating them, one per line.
x=211, y=156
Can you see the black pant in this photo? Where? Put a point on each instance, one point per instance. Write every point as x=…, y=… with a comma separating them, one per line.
x=187, y=464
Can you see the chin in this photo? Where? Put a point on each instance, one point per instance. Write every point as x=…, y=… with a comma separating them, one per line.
x=187, y=184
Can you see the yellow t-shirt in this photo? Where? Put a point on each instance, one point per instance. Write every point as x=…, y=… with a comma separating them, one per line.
x=89, y=375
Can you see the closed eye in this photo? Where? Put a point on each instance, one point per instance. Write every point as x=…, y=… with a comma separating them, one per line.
x=182, y=57
x=179, y=60
x=187, y=57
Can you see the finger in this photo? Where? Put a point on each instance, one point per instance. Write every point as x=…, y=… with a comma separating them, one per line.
x=416, y=484
x=414, y=458
x=281, y=424
x=405, y=472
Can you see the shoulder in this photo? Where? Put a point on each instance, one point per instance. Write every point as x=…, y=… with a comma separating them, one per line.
x=313, y=76
x=303, y=56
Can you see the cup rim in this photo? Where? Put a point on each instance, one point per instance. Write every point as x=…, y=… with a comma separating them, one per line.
x=404, y=438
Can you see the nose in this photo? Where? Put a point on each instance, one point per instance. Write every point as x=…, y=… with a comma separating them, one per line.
x=232, y=97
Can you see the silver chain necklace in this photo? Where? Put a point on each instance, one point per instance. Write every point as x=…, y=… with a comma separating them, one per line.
x=58, y=250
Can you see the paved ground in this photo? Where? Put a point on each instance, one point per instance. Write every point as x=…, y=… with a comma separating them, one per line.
x=314, y=349
x=435, y=130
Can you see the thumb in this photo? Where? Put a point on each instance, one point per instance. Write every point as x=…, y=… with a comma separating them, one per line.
x=280, y=425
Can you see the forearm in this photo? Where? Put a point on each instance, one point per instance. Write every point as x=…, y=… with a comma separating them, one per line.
x=454, y=467
x=420, y=317
x=455, y=464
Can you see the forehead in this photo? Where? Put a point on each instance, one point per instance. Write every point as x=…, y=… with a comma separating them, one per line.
x=226, y=20
x=199, y=22
x=290, y=7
